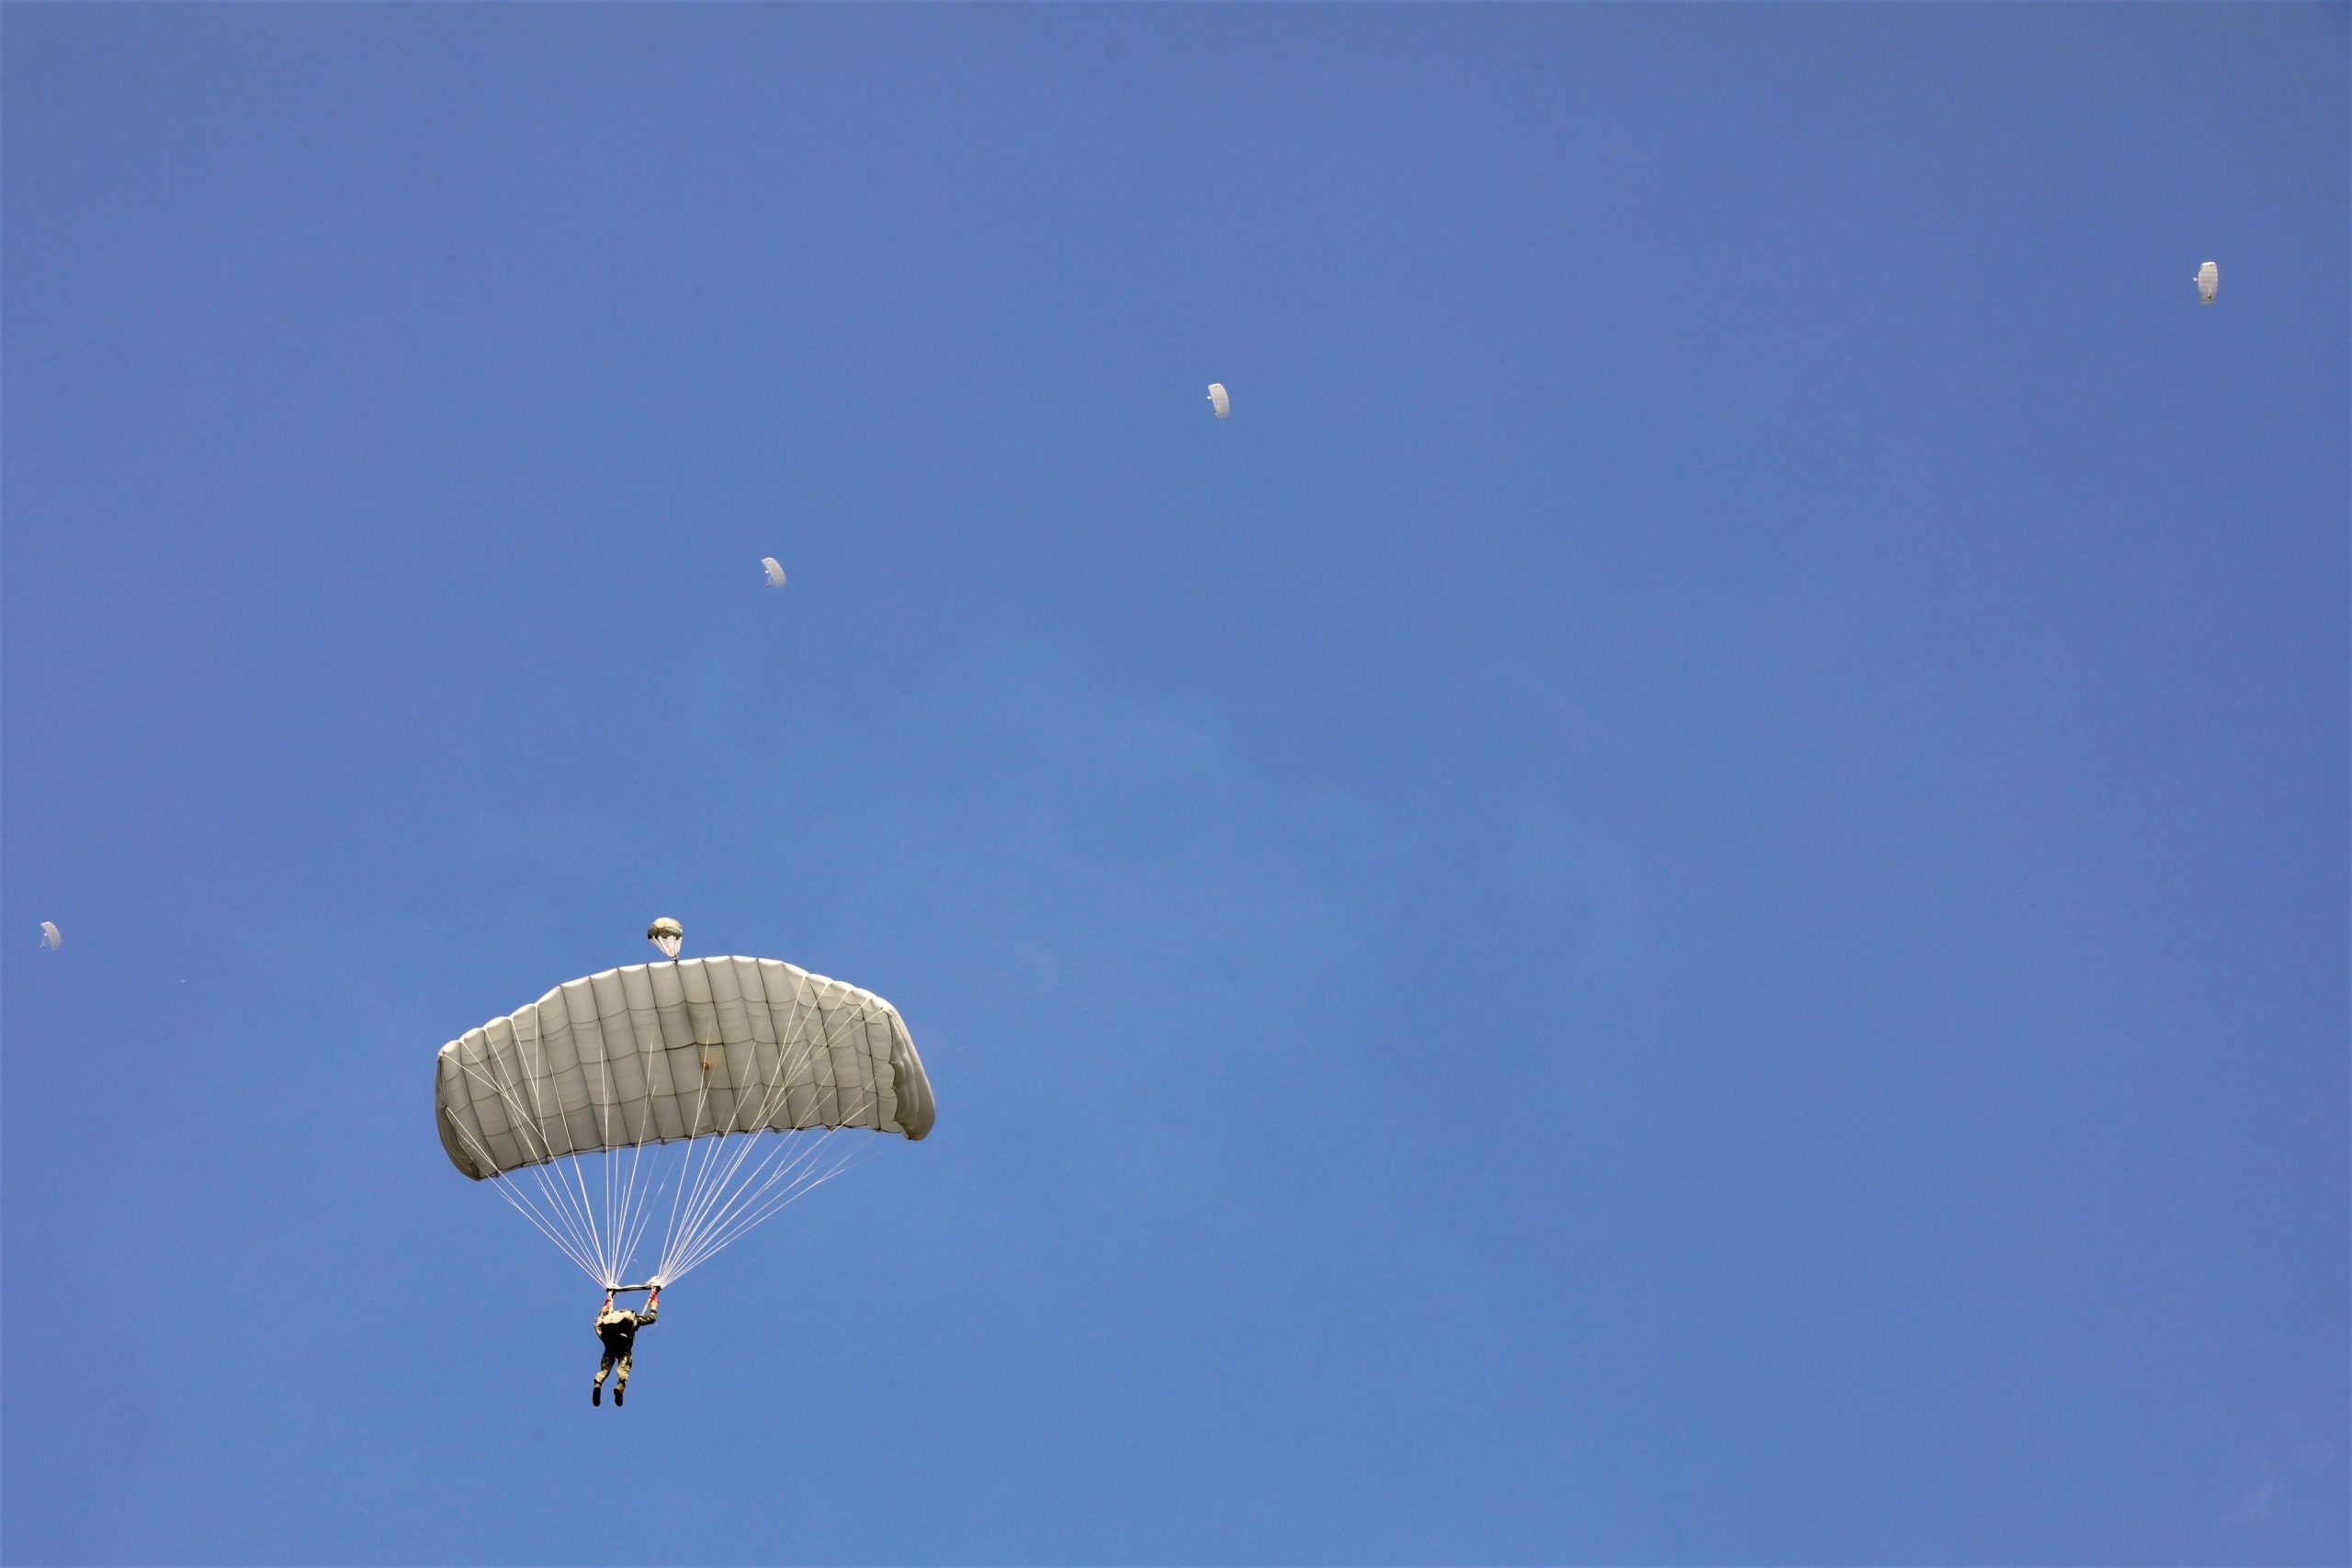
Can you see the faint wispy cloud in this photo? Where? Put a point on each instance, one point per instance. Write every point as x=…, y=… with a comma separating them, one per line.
x=1583, y=726
x=2286, y=1510
x=2259, y=1507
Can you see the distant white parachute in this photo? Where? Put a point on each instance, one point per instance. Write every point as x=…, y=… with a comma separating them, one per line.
x=51, y=937
x=666, y=934
x=2209, y=283
x=1219, y=401
x=670, y=1108
x=774, y=570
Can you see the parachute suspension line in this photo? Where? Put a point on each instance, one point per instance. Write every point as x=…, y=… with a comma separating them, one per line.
x=702, y=1101
x=590, y=1230
x=616, y=1203
x=709, y=1180
x=620, y=1192
x=776, y=1094
x=570, y=1209
x=507, y=1190
x=715, y=1218
x=643, y=1212
x=558, y=1213
x=644, y=1128
x=523, y=1206
x=628, y=1209
x=745, y=1212
x=578, y=1191
x=727, y=1210
x=635, y=1210
x=605, y=1139
x=807, y=1180
x=800, y=1187
x=773, y=1096
x=574, y=1213
x=719, y=1227
x=588, y=1209
x=621, y=1188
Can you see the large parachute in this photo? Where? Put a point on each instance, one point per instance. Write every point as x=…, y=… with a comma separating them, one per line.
x=748, y=1065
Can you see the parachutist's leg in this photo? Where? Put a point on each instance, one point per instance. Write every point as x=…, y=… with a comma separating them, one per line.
x=596, y=1393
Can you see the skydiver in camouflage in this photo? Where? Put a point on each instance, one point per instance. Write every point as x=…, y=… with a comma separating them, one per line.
x=617, y=1329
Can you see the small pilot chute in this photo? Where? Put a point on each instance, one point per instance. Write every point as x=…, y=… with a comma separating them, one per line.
x=666, y=934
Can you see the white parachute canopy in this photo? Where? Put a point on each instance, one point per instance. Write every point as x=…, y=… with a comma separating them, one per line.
x=1219, y=401
x=774, y=570
x=2209, y=283
x=51, y=937
x=668, y=935
x=703, y=1093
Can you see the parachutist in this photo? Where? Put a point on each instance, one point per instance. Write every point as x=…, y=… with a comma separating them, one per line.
x=618, y=1332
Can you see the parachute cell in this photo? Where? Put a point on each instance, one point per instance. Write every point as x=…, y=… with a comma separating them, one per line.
x=1219, y=401
x=2209, y=283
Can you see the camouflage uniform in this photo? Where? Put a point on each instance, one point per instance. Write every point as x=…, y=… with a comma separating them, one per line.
x=618, y=1330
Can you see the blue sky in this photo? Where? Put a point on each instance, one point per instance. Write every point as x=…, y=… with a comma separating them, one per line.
x=1684, y=900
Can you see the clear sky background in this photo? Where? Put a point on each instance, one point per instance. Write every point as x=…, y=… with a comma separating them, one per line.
x=1683, y=900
